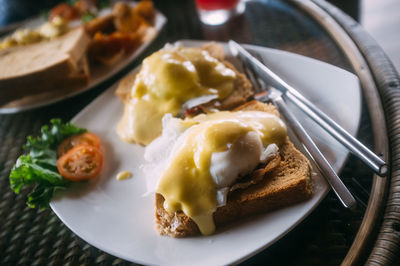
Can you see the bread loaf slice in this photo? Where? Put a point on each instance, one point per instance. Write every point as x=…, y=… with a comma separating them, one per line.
x=286, y=183
x=52, y=88
x=27, y=70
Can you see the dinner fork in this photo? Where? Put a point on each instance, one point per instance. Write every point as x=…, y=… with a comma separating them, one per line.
x=335, y=130
x=275, y=96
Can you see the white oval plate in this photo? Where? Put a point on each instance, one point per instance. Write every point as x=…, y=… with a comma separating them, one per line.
x=114, y=216
x=98, y=73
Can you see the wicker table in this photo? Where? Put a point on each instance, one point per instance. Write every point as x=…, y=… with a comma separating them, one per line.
x=330, y=235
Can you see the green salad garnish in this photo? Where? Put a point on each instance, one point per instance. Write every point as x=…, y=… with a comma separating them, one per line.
x=38, y=168
x=87, y=17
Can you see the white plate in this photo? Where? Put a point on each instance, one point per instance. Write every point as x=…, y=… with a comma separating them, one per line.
x=98, y=73
x=114, y=216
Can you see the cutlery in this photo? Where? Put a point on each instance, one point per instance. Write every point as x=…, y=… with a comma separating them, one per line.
x=341, y=191
x=275, y=96
x=334, y=129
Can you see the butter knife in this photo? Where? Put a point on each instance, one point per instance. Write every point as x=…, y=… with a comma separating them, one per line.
x=340, y=134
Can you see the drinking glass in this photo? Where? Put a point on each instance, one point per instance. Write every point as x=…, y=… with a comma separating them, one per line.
x=216, y=12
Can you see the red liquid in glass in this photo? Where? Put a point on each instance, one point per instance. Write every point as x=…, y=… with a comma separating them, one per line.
x=216, y=4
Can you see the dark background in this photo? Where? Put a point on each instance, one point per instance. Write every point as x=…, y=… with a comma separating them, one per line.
x=17, y=10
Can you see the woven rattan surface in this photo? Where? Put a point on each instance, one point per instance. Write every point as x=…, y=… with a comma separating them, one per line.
x=386, y=250
x=33, y=237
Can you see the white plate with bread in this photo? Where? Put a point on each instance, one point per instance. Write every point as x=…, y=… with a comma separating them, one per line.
x=47, y=72
x=116, y=217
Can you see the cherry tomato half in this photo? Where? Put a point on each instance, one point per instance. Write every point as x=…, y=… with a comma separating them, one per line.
x=82, y=162
x=65, y=11
x=84, y=138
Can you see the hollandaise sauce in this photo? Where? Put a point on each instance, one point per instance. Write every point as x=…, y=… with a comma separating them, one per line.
x=169, y=78
x=187, y=184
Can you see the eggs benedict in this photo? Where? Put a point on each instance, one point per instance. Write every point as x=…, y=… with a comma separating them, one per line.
x=170, y=80
x=202, y=157
x=214, y=169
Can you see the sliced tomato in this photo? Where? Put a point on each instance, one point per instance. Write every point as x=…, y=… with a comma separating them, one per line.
x=82, y=162
x=84, y=138
x=65, y=11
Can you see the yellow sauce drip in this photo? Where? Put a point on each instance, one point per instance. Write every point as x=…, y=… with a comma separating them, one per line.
x=123, y=175
x=187, y=184
x=169, y=78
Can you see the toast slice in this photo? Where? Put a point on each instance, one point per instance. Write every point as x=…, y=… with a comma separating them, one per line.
x=27, y=69
x=51, y=87
x=241, y=92
x=286, y=182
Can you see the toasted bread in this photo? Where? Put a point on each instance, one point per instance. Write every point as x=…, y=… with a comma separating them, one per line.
x=30, y=69
x=52, y=88
x=284, y=183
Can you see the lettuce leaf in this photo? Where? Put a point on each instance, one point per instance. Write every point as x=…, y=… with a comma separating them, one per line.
x=38, y=168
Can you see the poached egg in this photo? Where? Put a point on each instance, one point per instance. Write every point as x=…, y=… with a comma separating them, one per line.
x=168, y=79
x=195, y=161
